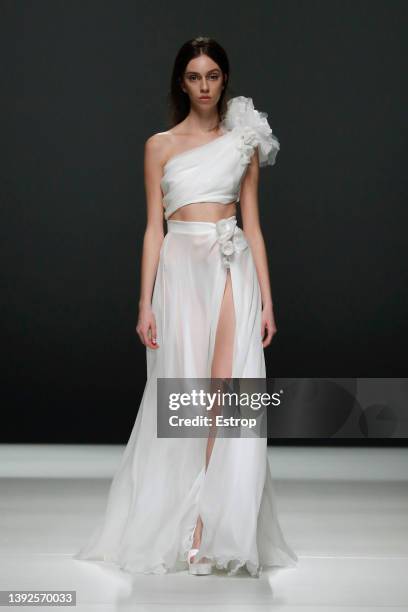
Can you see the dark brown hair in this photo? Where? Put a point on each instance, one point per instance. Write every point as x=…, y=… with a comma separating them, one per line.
x=178, y=100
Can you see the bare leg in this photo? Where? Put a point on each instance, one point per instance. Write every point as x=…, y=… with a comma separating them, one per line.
x=221, y=367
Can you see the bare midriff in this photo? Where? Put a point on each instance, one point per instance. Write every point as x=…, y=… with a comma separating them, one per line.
x=204, y=211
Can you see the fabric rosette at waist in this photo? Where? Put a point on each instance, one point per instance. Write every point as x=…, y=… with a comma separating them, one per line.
x=230, y=237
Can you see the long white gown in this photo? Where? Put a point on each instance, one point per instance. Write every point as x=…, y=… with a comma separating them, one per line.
x=161, y=485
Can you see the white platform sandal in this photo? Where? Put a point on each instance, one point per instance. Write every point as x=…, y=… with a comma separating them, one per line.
x=198, y=568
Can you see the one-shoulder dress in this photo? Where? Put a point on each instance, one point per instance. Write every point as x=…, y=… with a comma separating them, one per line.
x=161, y=485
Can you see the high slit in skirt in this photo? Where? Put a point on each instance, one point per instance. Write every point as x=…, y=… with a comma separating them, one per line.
x=161, y=485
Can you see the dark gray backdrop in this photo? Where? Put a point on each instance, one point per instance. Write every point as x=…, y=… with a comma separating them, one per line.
x=84, y=83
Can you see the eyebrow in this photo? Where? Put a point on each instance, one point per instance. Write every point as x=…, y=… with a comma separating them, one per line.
x=193, y=72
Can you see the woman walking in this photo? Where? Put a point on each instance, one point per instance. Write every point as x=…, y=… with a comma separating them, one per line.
x=205, y=310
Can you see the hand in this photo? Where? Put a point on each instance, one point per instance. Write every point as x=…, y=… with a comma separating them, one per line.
x=146, y=327
x=268, y=325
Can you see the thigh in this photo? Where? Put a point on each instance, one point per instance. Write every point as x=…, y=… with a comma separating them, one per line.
x=224, y=340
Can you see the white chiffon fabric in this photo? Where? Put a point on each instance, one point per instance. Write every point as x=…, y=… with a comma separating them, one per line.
x=213, y=172
x=161, y=485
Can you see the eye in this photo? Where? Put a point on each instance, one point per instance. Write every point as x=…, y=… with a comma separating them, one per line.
x=194, y=77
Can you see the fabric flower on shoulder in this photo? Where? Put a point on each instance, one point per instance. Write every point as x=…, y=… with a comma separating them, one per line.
x=253, y=128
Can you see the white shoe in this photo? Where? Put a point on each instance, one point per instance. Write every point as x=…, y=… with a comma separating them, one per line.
x=198, y=568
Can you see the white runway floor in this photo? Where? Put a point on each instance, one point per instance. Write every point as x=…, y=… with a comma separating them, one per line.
x=343, y=510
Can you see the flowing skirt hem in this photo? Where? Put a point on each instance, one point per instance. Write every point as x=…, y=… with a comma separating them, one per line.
x=231, y=563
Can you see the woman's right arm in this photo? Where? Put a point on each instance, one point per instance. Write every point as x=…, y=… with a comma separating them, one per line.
x=153, y=238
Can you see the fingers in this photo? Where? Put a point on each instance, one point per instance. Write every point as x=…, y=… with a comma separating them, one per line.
x=271, y=332
x=148, y=335
x=153, y=333
x=263, y=329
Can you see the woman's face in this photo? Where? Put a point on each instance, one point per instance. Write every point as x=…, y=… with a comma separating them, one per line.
x=203, y=82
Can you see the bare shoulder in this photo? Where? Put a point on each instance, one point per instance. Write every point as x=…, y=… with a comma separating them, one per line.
x=156, y=142
x=159, y=146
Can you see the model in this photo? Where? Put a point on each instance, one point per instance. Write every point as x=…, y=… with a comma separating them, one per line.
x=205, y=310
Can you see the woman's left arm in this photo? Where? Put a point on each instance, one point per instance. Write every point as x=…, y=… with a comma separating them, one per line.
x=253, y=233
